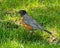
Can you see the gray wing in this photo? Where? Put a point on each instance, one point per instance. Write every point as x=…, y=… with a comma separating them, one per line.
x=30, y=21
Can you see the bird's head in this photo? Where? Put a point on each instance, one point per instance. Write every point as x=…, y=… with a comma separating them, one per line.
x=22, y=12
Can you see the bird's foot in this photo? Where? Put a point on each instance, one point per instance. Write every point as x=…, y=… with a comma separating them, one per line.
x=31, y=32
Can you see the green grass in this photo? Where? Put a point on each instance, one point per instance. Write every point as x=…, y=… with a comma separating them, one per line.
x=45, y=12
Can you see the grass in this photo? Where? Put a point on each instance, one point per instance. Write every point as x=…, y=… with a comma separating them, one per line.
x=45, y=12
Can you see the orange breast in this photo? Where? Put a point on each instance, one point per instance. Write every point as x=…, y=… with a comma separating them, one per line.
x=25, y=25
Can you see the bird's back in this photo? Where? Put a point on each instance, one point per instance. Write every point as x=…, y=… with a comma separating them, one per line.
x=30, y=21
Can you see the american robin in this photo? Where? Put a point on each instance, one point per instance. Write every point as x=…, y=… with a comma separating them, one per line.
x=29, y=23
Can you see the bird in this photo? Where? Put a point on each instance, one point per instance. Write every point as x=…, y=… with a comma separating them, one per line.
x=29, y=23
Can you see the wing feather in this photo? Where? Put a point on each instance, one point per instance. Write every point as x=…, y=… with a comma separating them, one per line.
x=30, y=21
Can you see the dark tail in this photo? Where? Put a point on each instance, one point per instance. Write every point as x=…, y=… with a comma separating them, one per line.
x=48, y=32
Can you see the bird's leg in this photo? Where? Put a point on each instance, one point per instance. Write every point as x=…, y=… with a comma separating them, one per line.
x=32, y=32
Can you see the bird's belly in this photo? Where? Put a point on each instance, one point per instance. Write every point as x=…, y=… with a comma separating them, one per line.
x=25, y=25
